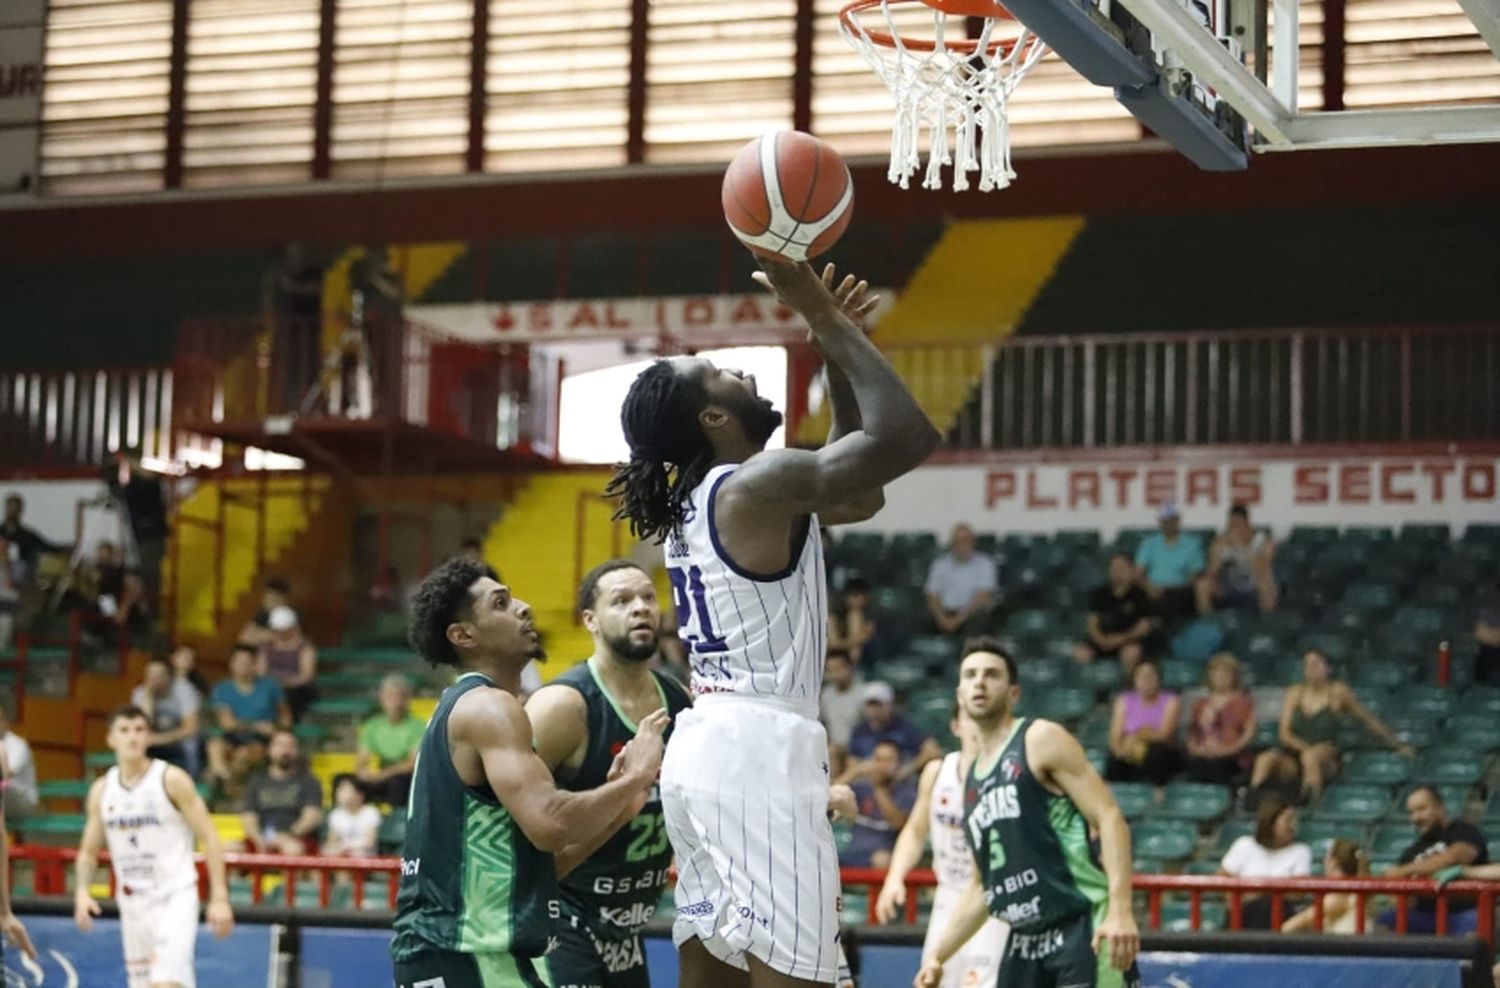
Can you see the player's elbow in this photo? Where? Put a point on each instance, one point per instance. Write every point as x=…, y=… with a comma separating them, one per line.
x=547, y=832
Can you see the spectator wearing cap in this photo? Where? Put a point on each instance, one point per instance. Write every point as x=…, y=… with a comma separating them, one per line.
x=841, y=705
x=275, y=592
x=290, y=659
x=881, y=721
x=1170, y=564
x=962, y=586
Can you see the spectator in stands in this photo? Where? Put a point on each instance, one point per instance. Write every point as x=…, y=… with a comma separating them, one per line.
x=884, y=803
x=1313, y=714
x=1273, y=851
x=1169, y=564
x=275, y=592
x=140, y=492
x=386, y=596
x=185, y=667
x=20, y=783
x=388, y=745
x=851, y=626
x=117, y=602
x=841, y=704
x=1143, y=731
x=1441, y=843
x=1487, y=631
x=283, y=806
x=353, y=824
x=249, y=708
x=1240, y=561
x=290, y=659
x=882, y=722
x=10, y=593
x=26, y=544
x=1221, y=726
x=962, y=586
x=171, y=706
x=1343, y=860
x=1121, y=619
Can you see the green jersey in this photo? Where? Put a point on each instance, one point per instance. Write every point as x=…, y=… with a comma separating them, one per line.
x=470, y=880
x=615, y=892
x=1031, y=845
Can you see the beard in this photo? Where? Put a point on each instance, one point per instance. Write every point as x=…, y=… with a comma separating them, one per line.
x=630, y=650
x=757, y=417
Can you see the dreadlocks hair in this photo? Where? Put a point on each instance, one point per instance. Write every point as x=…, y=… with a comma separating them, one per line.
x=442, y=599
x=669, y=452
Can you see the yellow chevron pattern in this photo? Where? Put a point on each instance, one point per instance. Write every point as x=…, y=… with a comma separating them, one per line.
x=418, y=264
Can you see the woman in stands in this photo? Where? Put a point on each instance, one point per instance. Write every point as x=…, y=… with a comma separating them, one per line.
x=1143, y=731
x=1343, y=860
x=1222, y=726
x=1315, y=712
x=1272, y=851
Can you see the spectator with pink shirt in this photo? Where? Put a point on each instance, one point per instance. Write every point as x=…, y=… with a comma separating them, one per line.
x=1143, y=731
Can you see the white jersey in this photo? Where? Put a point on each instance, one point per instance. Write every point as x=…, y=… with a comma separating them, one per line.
x=746, y=633
x=952, y=860
x=150, y=844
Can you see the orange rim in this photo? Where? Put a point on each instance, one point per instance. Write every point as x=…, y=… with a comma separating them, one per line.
x=968, y=46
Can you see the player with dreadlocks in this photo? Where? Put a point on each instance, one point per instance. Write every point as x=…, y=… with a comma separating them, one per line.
x=745, y=781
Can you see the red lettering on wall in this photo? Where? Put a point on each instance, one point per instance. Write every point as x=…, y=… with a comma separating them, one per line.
x=1389, y=492
x=999, y=485
x=539, y=316
x=1161, y=487
x=583, y=316
x=1083, y=488
x=1310, y=485
x=1244, y=486
x=1122, y=479
x=613, y=319
x=746, y=310
x=1354, y=484
x=1034, y=499
x=698, y=312
x=1479, y=481
x=1439, y=473
x=1202, y=485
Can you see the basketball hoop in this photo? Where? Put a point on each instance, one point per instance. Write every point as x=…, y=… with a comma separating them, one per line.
x=947, y=81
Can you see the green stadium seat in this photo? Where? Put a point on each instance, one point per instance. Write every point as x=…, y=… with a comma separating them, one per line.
x=1418, y=620
x=1347, y=802
x=1064, y=704
x=1052, y=558
x=1440, y=595
x=1377, y=699
x=1318, y=834
x=64, y=789
x=309, y=733
x=842, y=835
x=1194, y=801
x=1177, y=912
x=1201, y=866
x=1313, y=534
x=1044, y=671
x=1164, y=840
x=1366, y=597
x=1079, y=542
x=65, y=825
x=1098, y=757
x=903, y=673
x=1136, y=799
x=1430, y=701
x=1378, y=673
x=1231, y=831
x=1480, y=700
x=1417, y=730
x=1336, y=645
x=1379, y=768
x=342, y=707
x=1100, y=675
x=1180, y=675
x=1128, y=540
x=1477, y=732
x=1460, y=570
x=98, y=761
x=1492, y=812
x=856, y=907
x=934, y=650
x=1148, y=866
x=1369, y=534
x=392, y=832
x=1426, y=534
x=1450, y=766
x=1390, y=839
x=1031, y=624
x=1267, y=734
x=1482, y=532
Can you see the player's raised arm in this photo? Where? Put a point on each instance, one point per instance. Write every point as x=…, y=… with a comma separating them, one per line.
x=909, y=846
x=184, y=796
x=493, y=722
x=84, y=906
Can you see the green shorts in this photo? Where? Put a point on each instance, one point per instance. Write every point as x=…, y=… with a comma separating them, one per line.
x=583, y=960
x=451, y=969
x=1061, y=957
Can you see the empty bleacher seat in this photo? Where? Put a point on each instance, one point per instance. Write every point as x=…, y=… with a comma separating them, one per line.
x=1450, y=766
x=1064, y=704
x=1164, y=840
x=1380, y=673
x=1429, y=701
x=1135, y=799
x=1381, y=768
x=1390, y=839
x=1349, y=802
x=1193, y=801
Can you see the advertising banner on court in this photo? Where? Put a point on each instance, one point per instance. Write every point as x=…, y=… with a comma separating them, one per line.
x=1109, y=495
x=21, y=61
x=69, y=959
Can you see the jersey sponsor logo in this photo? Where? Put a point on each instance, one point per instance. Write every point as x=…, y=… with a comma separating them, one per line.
x=1016, y=912
x=132, y=822
x=702, y=908
x=630, y=917
x=620, y=955
x=1035, y=946
x=999, y=803
x=410, y=868
x=1011, y=768
x=609, y=885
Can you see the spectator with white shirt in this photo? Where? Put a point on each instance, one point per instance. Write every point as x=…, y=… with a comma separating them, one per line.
x=841, y=705
x=20, y=779
x=172, y=706
x=1272, y=851
x=353, y=827
x=962, y=586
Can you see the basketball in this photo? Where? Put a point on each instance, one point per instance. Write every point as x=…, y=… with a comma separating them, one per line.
x=788, y=195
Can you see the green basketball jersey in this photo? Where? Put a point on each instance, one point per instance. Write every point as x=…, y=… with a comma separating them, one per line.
x=1031, y=845
x=616, y=890
x=470, y=880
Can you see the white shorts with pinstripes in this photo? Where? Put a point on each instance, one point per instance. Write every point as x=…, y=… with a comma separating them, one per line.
x=744, y=789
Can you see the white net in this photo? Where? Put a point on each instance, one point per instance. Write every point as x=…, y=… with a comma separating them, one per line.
x=955, y=87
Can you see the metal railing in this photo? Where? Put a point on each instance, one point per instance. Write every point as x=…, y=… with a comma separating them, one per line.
x=1235, y=387
x=76, y=418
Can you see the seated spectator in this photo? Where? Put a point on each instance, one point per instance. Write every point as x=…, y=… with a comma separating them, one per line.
x=283, y=805
x=1169, y=564
x=1143, y=731
x=116, y=604
x=1487, y=631
x=249, y=708
x=388, y=744
x=1121, y=619
x=275, y=592
x=26, y=545
x=884, y=804
x=851, y=626
x=386, y=596
x=20, y=778
x=841, y=705
x=1441, y=843
x=185, y=668
x=1314, y=713
x=962, y=586
x=881, y=722
x=171, y=706
x=1221, y=726
x=290, y=659
x=1271, y=852
x=353, y=825
x=10, y=593
x=1343, y=860
x=1240, y=573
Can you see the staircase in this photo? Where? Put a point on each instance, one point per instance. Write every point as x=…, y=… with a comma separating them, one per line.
x=553, y=531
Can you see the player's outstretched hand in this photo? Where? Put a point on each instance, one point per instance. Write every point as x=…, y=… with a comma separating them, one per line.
x=929, y=975
x=84, y=911
x=891, y=899
x=220, y=918
x=641, y=758
x=16, y=933
x=1121, y=936
x=851, y=294
x=796, y=285
x=841, y=803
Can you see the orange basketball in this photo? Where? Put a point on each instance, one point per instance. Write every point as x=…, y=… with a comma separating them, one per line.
x=788, y=195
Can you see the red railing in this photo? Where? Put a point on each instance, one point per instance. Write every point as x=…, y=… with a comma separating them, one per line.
x=52, y=863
